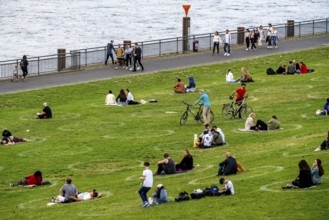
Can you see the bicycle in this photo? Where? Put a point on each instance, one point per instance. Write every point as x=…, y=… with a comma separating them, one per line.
x=197, y=116
x=242, y=111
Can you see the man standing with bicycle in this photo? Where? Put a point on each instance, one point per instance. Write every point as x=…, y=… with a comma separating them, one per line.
x=241, y=94
x=206, y=107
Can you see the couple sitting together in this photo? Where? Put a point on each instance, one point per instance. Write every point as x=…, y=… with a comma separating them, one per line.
x=272, y=124
x=168, y=166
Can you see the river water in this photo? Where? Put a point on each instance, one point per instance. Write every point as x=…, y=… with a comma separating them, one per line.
x=40, y=27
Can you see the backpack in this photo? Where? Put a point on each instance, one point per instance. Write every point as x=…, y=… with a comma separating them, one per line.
x=212, y=191
x=197, y=194
x=270, y=71
x=182, y=196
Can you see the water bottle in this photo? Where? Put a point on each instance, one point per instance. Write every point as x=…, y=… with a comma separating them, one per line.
x=195, y=142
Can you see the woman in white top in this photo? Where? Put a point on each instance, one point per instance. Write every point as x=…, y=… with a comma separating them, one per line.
x=229, y=77
x=217, y=40
x=261, y=35
x=250, y=121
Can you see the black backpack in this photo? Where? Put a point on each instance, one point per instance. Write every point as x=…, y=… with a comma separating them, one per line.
x=182, y=197
x=270, y=71
x=212, y=191
x=197, y=194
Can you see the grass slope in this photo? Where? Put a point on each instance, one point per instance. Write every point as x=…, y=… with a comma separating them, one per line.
x=103, y=147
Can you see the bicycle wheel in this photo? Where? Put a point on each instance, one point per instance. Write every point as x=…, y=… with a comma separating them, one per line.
x=212, y=116
x=227, y=111
x=183, y=119
x=245, y=111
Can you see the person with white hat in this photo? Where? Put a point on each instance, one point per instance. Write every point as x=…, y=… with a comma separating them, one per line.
x=159, y=196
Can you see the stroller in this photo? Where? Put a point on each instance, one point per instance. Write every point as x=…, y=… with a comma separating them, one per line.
x=191, y=86
x=15, y=76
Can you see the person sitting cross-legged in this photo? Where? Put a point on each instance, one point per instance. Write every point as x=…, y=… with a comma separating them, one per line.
x=167, y=165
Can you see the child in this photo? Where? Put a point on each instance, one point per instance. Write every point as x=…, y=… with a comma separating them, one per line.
x=229, y=189
x=147, y=178
x=15, y=73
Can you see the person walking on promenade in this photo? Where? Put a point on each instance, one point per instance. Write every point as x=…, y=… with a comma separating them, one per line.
x=127, y=56
x=24, y=63
x=274, y=37
x=217, y=41
x=137, y=57
x=261, y=35
x=227, y=43
x=269, y=36
x=147, y=178
x=253, y=39
x=206, y=107
x=247, y=38
x=109, y=50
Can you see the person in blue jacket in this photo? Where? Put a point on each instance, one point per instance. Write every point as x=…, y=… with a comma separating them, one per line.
x=206, y=107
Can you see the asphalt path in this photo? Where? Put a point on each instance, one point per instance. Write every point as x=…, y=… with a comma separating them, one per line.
x=159, y=63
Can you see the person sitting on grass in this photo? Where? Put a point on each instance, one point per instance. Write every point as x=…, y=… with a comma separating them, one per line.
x=207, y=129
x=167, y=165
x=281, y=69
x=207, y=140
x=304, y=69
x=249, y=124
x=317, y=172
x=121, y=98
x=179, y=87
x=228, y=189
x=31, y=180
x=304, y=179
x=110, y=99
x=229, y=77
x=217, y=139
x=291, y=68
x=273, y=123
x=130, y=98
x=191, y=86
x=220, y=132
x=46, y=112
x=228, y=166
x=186, y=163
x=159, y=196
x=68, y=192
x=246, y=77
x=324, y=145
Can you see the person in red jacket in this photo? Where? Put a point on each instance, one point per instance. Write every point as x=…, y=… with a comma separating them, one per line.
x=303, y=68
x=32, y=180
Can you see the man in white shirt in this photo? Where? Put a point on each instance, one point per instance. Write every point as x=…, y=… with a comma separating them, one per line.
x=130, y=98
x=147, y=178
x=110, y=99
x=206, y=140
x=227, y=43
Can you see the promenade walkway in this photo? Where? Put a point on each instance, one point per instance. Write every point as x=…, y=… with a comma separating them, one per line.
x=160, y=63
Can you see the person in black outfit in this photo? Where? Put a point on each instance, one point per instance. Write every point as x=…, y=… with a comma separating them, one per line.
x=186, y=163
x=46, y=112
x=228, y=166
x=304, y=179
x=24, y=63
x=109, y=50
x=167, y=165
x=137, y=57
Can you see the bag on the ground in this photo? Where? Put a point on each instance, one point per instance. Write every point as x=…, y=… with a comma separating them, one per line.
x=212, y=191
x=182, y=196
x=197, y=194
x=270, y=71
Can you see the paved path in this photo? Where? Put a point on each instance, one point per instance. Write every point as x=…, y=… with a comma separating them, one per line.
x=157, y=64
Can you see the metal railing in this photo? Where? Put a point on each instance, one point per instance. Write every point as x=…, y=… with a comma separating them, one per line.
x=84, y=57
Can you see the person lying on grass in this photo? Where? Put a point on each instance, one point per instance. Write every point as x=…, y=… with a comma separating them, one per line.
x=8, y=138
x=32, y=180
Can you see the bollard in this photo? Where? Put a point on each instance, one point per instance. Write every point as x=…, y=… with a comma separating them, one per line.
x=61, y=59
x=240, y=35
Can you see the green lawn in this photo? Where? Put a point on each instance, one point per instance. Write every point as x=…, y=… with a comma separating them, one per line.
x=103, y=147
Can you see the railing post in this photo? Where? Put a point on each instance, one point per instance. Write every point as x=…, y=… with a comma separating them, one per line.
x=143, y=49
x=210, y=41
x=300, y=28
x=86, y=57
x=177, y=45
x=159, y=48
x=38, y=66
